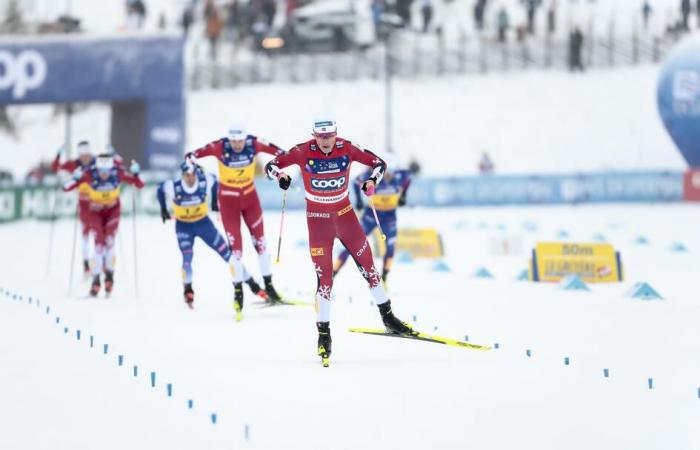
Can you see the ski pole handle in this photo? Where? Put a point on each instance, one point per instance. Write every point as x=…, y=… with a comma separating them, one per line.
x=279, y=239
x=376, y=219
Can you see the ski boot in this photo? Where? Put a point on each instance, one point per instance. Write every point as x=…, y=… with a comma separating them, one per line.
x=272, y=294
x=391, y=323
x=324, y=342
x=189, y=295
x=238, y=300
x=95, y=287
x=109, y=281
x=255, y=288
x=86, y=269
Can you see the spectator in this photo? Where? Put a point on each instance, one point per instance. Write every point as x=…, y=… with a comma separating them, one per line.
x=135, y=14
x=162, y=21
x=575, y=47
x=531, y=9
x=485, y=164
x=426, y=10
x=378, y=8
x=269, y=9
x=646, y=13
x=187, y=19
x=403, y=9
x=685, y=12
x=37, y=174
x=503, y=24
x=214, y=25
x=479, y=10
x=552, y=17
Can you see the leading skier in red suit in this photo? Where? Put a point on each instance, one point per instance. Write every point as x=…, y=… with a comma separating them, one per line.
x=325, y=164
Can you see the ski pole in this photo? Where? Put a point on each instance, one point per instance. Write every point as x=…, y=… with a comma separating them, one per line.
x=51, y=231
x=279, y=239
x=72, y=248
x=133, y=222
x=376, y=219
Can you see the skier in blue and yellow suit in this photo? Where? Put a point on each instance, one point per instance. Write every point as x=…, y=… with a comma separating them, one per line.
x=191, y=197
x=388, y=196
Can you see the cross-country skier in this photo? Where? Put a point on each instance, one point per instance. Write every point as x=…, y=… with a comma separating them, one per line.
x=325, y=166
x=84, y=160
x=388, y=196
x=235, y=155
x=191, y=197
x=103, y=180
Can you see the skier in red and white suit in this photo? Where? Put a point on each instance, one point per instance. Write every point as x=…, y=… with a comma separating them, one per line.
x=325, y=166
x=104, y=179
x=235, y=156
x=84, y=160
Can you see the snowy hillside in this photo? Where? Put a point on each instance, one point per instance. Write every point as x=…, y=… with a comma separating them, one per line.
x=530, y=122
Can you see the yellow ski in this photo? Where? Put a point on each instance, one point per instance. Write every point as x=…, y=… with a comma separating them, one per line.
x=422, y=337
x=239, y=313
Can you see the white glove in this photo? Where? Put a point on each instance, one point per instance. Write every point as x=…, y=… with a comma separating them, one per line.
x=134, y=168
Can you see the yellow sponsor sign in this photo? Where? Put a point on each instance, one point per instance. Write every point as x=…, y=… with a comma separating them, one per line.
x=418, y=242
x=316, y=251
x=593, y=263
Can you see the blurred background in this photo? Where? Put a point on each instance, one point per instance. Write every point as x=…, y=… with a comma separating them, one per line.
x=456, y=88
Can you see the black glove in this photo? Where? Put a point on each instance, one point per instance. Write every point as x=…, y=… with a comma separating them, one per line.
x=285, y=182
x=364, y=185
x=402, y=200
x=359, y=206
x=165, y=215
x=215, y=206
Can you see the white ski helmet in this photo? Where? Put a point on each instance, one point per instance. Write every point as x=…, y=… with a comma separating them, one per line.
x=104, y=162
x=237, y=132
x=324, y=125
x=84, y=148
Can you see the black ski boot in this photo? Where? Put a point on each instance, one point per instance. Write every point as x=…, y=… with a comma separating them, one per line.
x=189, y=295
x=324, y=342
x=86, y=269
x=272, y=294
x=95, y=287
x=391, y=323
x=256, y=289
x=109, y=281
x=238, y=300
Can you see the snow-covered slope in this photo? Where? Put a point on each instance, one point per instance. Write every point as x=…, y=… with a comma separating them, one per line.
x=378, y=393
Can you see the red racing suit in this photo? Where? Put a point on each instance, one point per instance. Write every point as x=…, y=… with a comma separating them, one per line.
x=83, y=199
x=329, y=214
x=237, y=194
x=103, y=211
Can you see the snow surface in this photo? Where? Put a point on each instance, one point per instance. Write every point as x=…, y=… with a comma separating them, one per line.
x=262, y=373
x=530, y=122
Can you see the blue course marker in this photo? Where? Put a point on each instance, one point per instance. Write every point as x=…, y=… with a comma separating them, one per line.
x=606, y=373
x=213, y=418
x=566, y=361
x=48, y=309
x=30, y=300
x=120, y=360
x=92, y=341
x=650, y=383
x=153, y=379
x=77, y=334
x=496, y=345
x=169, y=387
x=190, y=404
x=58, y=319
x=246, y=432
x=528, y=352
x=466, y=338
x=105, y=348
x=136, y=371
x=65, y=330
